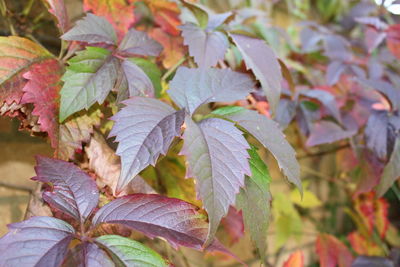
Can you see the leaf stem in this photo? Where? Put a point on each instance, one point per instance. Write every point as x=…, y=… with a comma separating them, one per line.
x=172, y=69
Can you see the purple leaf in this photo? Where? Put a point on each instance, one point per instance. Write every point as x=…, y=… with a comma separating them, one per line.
x=261, y=59
x=206, y=47
x=372, y=21
x=285, y=112
x=327, y=99
x=39, y=242
x=191, y=88
x=73, y=191
x=138, y=43
x=144, y=129
x=96, y=257
x=391, y=172
x=309, y=40
x=92, y=29
x=337, y=47
x=390, y=92
x=217, y=157
x=177, y=221
x=139, y=83
x=376, y=132
x=372, y=261
x=325, y=132
x=267, y=132
x=334, y=71
x=130, y=252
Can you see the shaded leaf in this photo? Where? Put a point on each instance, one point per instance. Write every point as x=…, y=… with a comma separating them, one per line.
x=206, y=47
x=154, y=215
x=325, y=132
x=42, y=91
x=144, y=129
x=261, y=59
x=393, y=39
x=365, y=261
x=152, y=71
x=38, y=241
x=130, y=252
x=73, y=191
x=269, y=135
x=139, y=84
x=233, y=224
x=376, y=132
x=89, y=78
x=327, y=99
x=216, y=157
x=332, y=252
x=139, y=43
x=95, y=256
x=334, y=70
x=58, y=9
x=391, y=172
x=192, y=88
x=254, y=200
x=92, y=29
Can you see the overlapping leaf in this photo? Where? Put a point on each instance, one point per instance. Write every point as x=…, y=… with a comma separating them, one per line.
x=139, y=84
x=39, y=241
x=391, y=172
x=73, y=191
x=269, y=135
x=166, y=15
x=192, y=88
x=332, y=252
x=59, y=10
x=138, y=43
x=233, y=224
x=216, y=156
x=130, y=252
x=173, y=51
x=393, y=39
x=325, y=132
x=261, y=59
x=255, y=201
x=94, y=256
x=154, y=215
x=89, y=78
x=144, y=129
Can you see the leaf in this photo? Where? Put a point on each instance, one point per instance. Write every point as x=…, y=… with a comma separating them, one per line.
x=191, y=88
x=89, y=78
x=365, y=261
x=138, y=43
x=268, y=134
x=130, y=252
x=42, y=91
x=118, y=12
x=332, y=252
x=139, y=84
x=144, y=129
x=393, y=39
x=334, y=70
x=216, y=157
x=364, y=246
x=261, y=59
x=158, y=216
x=325, y=132
x=58, y=9
x=309, y=199
x=206, y=47
x=39, y=241
x=254, y=200
x=296, y=259
x=95, y=256
x=166, y=15
x=17, y=55
x=200, y=13
x=173, y=52
x=327, y=99
x=233, y=225
x=92, y=29
x=73, y=191
x=391, y=172
x=152, y=71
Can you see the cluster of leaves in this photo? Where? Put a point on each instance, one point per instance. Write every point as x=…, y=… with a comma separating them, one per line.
x=163, y=78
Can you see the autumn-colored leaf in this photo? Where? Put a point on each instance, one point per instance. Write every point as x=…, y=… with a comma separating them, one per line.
x=58, y=9
x=393, y=39
x=233, y=224
x=332, y=252
x=296, y=259
x=363, y=246
x=42, y=91
x=166, y=15
x=118, y=12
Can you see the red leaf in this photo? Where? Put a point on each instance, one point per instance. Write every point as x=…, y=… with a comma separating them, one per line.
x=332, y=252
x=233, y=224
x=393, y=39
x=363, y=246
x=58, y=9
x=42, y=91
x=296, y=259
x=118, y=12
x=166, y=15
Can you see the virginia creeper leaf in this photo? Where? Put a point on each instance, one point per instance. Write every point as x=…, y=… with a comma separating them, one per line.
x=154, y=215
x=139, y=84
x=42, y=91
x=152, y=71
x=325, y=132
x=269, y=135
x=254, y=200
x=332, y=252
x=130, y=252
x=58, y=9
x=17, y=55
x=38, y=241
x=138, y=43
x=92, y=29
x=118, y=12
x=199, y=12
x=261, y=59
x=89, y=78
x=327, y=99
x=191, y=88
x=216, y=157
x=73, y=191
x=391, y=172
x=206, y=47
x=144, y=129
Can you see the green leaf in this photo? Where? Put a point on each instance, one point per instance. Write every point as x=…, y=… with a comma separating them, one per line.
x=89, y=78
x=255, y=201
x=200, y=14
x=152, y=71
x=129, y=252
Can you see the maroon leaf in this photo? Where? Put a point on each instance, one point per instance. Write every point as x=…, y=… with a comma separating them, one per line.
x=325, y=132
x=74, y=192
x=191, y=88
x=138, y=43
x=233, y=224
x=144, y=129
x=39, y=242
x=158, y=216
x=58, y=9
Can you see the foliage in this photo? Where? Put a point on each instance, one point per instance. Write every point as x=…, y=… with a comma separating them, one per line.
x=194, y=95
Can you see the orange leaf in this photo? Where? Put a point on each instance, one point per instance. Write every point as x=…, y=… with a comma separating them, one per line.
x=166, y=15
x=296, y=259
x=332, y=252
x=363, y=246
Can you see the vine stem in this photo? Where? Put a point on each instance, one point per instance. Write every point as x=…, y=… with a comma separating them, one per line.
x=171, y=70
